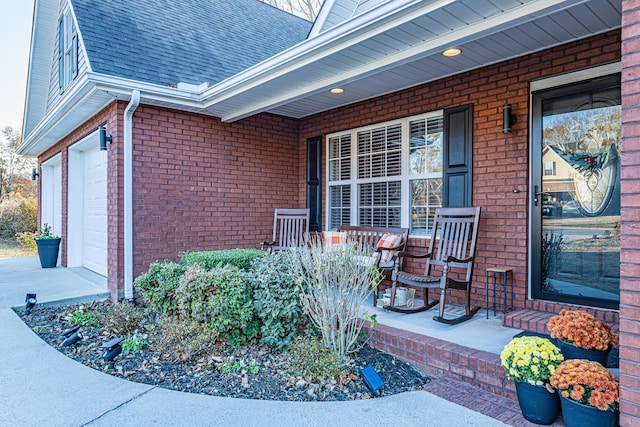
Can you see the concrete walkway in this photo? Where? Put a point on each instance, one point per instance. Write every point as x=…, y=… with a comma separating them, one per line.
x=39, y=386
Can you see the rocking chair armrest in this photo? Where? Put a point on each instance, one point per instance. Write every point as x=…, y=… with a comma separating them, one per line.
x=412, y=255
x=451, y=258
x=267, y=245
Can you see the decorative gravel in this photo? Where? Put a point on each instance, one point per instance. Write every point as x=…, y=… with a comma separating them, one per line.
x=272, y=381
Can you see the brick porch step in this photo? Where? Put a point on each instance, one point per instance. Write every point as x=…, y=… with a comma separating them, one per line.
x=477, y=399
x=529, y=320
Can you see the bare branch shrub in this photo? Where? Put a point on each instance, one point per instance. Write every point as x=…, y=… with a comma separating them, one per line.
x=338, y=281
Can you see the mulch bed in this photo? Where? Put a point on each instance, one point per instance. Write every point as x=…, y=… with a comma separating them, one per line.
x=272, y=381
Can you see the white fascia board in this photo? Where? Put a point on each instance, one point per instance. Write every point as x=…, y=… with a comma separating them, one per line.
x=89, y=84
x=352, y=32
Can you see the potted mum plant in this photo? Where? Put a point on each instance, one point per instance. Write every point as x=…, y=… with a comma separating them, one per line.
x=588, y=393
x=48, y=246
x=582, y=336
x=530, y=361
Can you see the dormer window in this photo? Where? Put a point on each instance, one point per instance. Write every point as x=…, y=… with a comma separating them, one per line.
x=67, y=51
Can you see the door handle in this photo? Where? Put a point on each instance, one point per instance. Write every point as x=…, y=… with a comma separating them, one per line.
x=536, y=195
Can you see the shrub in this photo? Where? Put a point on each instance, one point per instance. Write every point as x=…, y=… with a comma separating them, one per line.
x=159, y=285
x=182, y=340
x=133, y=343
x=241, y=258
x=27, y=240
x=338, y=282
x=123, y=318
x=276, y=293
x=221, y=299
x=310, y=359
x=83, y=316
x=17, y=214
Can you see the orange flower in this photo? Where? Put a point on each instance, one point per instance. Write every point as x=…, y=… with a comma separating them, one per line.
x=588, y=383
x=582, y=329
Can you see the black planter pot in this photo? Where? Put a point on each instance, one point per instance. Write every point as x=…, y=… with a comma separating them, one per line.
x=575, y=414
x=537, y=404
x=570, y=351
x=48, y=252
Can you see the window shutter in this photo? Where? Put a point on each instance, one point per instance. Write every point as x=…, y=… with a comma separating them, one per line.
x=458, y=143
x=61, y=55
x=314, y=182
x=74, y=54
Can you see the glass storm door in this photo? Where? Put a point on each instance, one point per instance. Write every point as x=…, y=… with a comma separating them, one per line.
x=576, y=134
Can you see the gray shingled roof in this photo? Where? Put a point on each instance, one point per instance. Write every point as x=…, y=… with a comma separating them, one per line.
x=192, y=41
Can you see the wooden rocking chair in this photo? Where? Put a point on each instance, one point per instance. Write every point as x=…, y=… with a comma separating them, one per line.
x=290, y=230
x=451, y=249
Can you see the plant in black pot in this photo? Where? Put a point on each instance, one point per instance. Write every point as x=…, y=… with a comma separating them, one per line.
x=48, y=247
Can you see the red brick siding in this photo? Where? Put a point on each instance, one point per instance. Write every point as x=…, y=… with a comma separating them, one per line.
x=500, y=162
x=630, y=212
x=107, y=117
x=200, y=184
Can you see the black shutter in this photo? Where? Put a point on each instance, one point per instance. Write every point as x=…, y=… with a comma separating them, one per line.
x=74, y=54
x=314, y=182
x=458, y=142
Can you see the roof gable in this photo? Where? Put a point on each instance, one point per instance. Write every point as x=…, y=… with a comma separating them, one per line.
x=193, y=41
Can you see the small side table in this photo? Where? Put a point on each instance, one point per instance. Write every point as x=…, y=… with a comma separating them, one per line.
x=498, y=274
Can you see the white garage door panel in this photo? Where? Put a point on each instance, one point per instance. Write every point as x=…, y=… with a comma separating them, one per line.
x=94, y=242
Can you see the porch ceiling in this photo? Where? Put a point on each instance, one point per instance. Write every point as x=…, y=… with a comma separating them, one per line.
x=388, y=50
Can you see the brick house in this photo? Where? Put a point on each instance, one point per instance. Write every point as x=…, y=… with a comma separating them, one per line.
x=209, y=135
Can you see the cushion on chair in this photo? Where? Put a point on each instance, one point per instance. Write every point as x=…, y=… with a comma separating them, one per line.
x=334, y=239
x=388, y=240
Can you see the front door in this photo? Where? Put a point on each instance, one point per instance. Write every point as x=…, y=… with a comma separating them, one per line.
x=576, y=136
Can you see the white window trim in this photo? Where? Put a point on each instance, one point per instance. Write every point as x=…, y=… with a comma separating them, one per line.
x=405, y=177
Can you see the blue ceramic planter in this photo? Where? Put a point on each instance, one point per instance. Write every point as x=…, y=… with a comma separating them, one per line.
x=48, y=252
x=576, y=414
x=570, y=351
x=537, y=404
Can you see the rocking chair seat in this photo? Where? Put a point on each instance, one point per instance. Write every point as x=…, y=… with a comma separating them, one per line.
x=418, y=280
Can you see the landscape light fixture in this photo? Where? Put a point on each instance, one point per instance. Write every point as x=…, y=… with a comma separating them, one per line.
x=104, y=138
x=30, y=301
x=34, y=174
x=372, y=380
x=72, y=336
x=112, y=349
x=508, y=119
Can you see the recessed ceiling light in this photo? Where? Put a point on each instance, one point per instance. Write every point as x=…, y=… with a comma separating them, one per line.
x=452, y=51
x=337, y=90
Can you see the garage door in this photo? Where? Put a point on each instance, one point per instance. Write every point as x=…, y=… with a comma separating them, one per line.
x=94, y=235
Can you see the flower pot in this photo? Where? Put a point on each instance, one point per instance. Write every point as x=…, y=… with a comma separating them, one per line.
x=537, y=404
x=48, y=252
x=576, y=414
x=570, y=351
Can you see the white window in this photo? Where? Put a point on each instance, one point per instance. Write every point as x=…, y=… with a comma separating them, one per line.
x=67, y=51
x=387, y=175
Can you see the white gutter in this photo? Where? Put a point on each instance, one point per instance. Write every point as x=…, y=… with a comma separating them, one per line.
x=128, y=193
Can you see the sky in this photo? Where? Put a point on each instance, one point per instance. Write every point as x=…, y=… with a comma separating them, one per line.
x=15, y=38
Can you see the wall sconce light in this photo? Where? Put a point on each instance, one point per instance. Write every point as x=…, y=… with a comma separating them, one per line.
x=34, y=174
x=508, y=119
x=112, y=349
x=104, y=138
x=72, y=335
x=372, y=379
x=30, y=302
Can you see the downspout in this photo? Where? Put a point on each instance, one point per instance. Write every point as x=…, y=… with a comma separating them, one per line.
x=128, y=194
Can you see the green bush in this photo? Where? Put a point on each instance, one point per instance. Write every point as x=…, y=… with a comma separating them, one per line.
x=221, y=299
x=241, y=258
x=182, y=340
x=17, y=214
x=276, y=293
x=159, y=285
x=310, y=359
